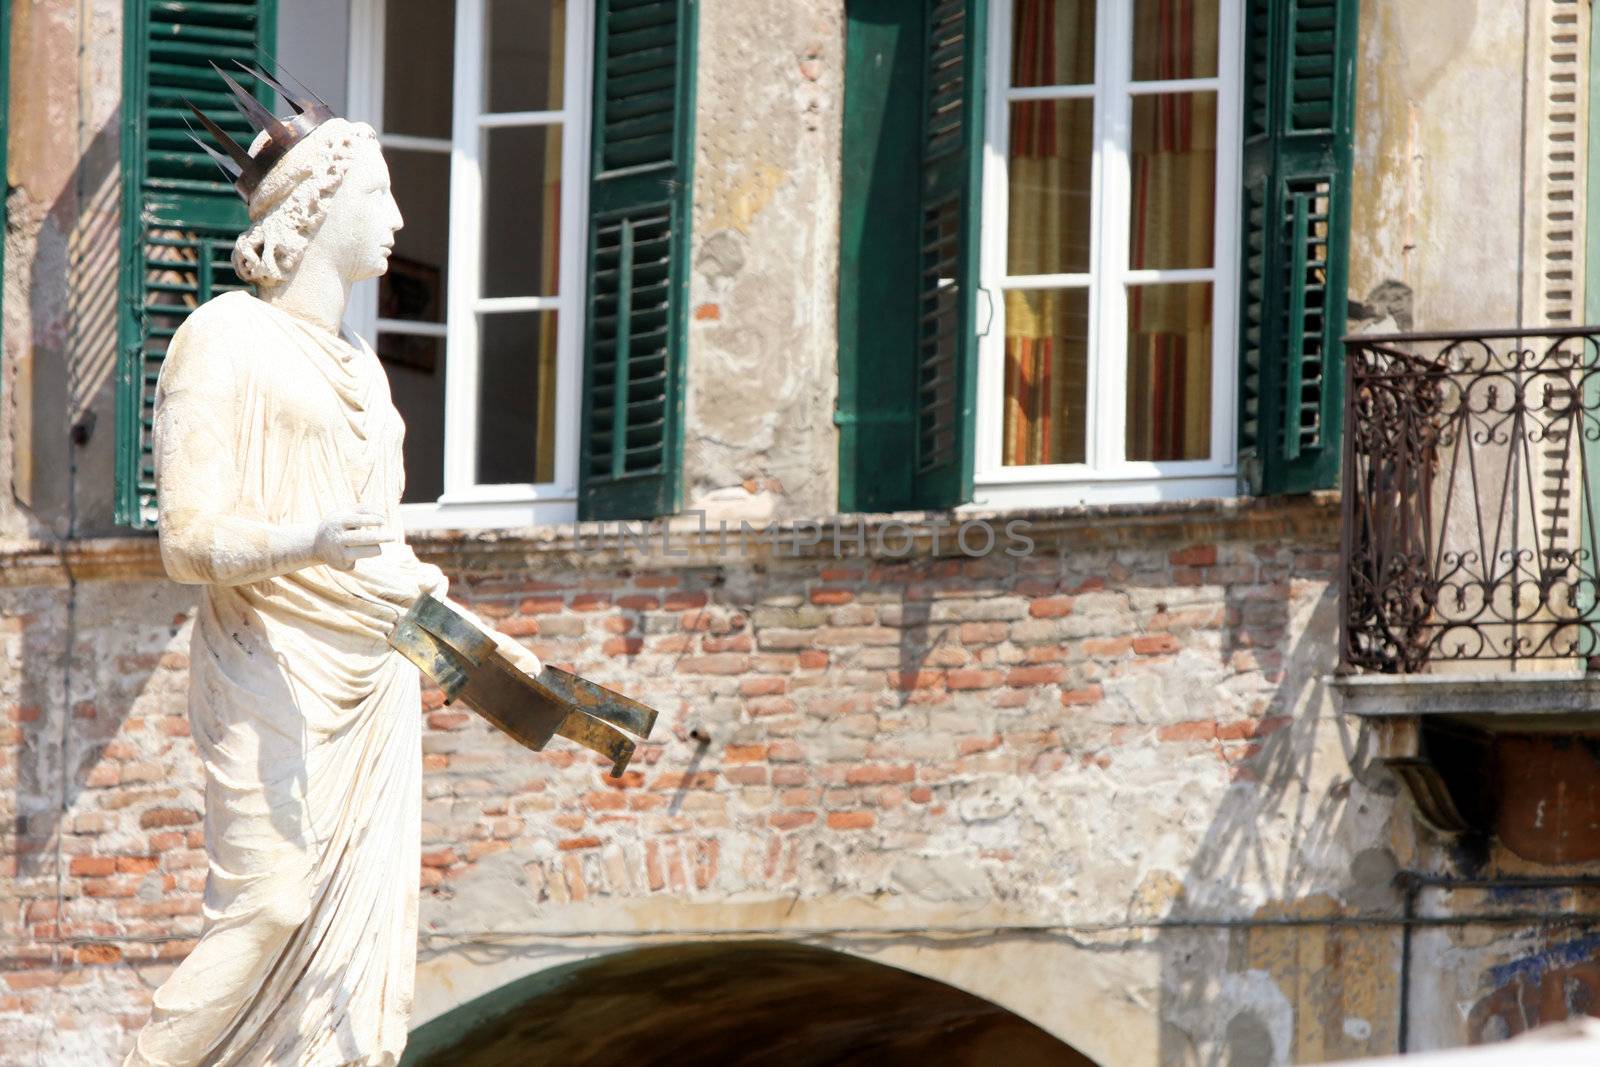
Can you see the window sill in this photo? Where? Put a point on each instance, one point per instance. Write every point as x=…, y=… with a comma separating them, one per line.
x=489, y=514
x=1022, y=488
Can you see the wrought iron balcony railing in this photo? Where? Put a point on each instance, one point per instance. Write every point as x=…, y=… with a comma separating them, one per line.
x=1471, y=498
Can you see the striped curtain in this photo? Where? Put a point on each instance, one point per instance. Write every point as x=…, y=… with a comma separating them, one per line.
x=1051, y=155
x=1173, y=168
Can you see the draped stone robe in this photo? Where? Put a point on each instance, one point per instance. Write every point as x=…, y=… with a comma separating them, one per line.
x=307, y=723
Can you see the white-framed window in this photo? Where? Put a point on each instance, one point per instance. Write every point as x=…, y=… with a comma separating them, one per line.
x=483, y=110
x=1109, y=264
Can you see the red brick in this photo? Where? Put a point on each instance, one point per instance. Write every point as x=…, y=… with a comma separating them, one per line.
x=1195, y=556
x=674, y=780
x=1053, y=607
x=793, y=820
x=574, y=844
x=683, y=601
x=813, y=659
x=1156, y=644
x=136, y=864
x=744, y=754
x=983, y=633
x=616, y=624
x=851, y=820
x=879, y=775
x=91, y=954
x=1107, y=646
x=1040, y=675
x=746, y=775
x=590, y=602
x=1088, y=695
x=1198, y=730
x=518, y=627
x=721, y=663
x=732, y=643
x=760, y=687
x=1234, y=731
x=164, y=841
x=443, y=857
x=826, y=595
x=92, y=866
x=622, y=646
x=479, y=849
x=638, y=602
x=156, y=818
x=655, y=581
x=973, y=679
x=785, y=751
x=916, y=679
x=542, y=605
x=605, y=801
x=103, y=776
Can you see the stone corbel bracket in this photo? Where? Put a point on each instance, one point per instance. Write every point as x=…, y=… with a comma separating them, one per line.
x=1438, y=734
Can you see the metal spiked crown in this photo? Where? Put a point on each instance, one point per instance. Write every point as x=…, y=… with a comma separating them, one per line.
x=247, y=171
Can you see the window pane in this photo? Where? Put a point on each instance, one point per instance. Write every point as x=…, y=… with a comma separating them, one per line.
x=415, y=366
x=418, y=67
x=1047, y=376
x=1052, y=42
x=1052, y=152
x=516, y=397
x=522, y=210
x=525, y=54
x=1174, y=39
x=1174, y=174
x=1169, y=371
x=414, y=286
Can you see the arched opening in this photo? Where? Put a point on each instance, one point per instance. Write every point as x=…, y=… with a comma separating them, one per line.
x=733, y=1004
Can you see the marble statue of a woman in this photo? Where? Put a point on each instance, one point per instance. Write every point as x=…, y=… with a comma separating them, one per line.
x=278, y=469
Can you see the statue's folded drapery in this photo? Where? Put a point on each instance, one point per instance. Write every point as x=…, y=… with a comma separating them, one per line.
x=307, y=723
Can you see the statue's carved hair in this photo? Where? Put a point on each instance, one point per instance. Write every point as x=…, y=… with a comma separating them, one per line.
x=291, y=202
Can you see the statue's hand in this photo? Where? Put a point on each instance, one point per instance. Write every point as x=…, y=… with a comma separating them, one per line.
x=517, y=654
x=347, y=536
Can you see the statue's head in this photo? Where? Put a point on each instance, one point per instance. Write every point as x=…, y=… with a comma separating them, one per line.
x=328, y=197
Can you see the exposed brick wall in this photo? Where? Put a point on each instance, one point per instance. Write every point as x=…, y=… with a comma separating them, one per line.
x=927, y=731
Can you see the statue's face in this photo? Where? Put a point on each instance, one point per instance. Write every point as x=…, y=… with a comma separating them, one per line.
x=361, y=217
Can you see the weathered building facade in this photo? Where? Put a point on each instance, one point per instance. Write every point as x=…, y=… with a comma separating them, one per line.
x=985, y=561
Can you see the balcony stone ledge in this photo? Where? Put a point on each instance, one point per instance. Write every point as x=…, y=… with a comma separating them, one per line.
x=1563, y=700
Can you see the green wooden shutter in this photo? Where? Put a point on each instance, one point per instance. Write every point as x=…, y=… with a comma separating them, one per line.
x=908, y=278
x=642, y=160
x=1298, y=124
x=180, y=213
